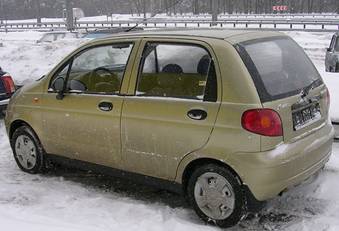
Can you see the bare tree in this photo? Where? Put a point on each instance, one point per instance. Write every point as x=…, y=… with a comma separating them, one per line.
x=195, y=5
x=69, y=14
x=38, y=11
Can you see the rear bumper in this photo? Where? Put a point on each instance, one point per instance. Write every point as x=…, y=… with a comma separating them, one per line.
x=269, y=173
x=3, y=104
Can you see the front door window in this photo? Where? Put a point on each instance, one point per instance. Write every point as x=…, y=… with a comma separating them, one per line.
x=98, y=70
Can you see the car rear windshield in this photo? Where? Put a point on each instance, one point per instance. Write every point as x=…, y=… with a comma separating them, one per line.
x=279, y=67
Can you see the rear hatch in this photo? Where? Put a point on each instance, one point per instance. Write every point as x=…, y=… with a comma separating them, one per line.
x=288, y=82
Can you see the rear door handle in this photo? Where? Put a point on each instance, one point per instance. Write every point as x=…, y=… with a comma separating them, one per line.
x=197, y=114
x=105, y=106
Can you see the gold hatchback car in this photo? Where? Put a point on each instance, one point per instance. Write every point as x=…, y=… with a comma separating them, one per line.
x=222, y=116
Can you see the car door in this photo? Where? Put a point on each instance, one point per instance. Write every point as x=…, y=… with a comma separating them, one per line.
x=329, y=59
x=83, y=122
x=173, y=106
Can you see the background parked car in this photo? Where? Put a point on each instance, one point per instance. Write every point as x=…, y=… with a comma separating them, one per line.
x=7, y=88
x=54, y=36
x=332, y=55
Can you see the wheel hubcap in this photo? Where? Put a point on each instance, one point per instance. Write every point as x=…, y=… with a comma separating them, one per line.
x=25, y=152
x=214, y=196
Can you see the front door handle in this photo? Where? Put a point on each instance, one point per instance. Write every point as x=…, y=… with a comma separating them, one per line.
x=197, y=114
x=105, y=106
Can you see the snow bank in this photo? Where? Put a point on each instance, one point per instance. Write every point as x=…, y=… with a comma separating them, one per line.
x=27, y=60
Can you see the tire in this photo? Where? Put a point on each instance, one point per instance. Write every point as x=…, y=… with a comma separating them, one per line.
x=210, y=204
x=27, y=150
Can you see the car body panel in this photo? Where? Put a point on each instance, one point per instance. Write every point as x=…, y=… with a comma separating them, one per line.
x=25, y=108
x=76, y=119
x=169, y=138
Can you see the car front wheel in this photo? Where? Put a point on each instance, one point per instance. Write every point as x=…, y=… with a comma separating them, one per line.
x=27, y=150
x=216, y=195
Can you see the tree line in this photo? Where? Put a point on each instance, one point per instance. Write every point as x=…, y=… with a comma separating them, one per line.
x=23, y=9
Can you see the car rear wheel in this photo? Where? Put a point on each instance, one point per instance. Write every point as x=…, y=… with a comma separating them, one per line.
x=216, y=195
x=27, y=150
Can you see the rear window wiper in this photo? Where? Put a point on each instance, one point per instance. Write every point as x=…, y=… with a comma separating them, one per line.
x=306, y=90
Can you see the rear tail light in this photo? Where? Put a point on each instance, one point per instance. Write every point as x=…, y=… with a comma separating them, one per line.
x=8, y=84
x=264, y=122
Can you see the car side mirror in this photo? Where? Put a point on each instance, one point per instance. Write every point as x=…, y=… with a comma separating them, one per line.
x=58, y=84
x=58, y=87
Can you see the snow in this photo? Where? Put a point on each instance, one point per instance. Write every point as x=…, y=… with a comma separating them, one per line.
x=27, y=60
x=75, y=200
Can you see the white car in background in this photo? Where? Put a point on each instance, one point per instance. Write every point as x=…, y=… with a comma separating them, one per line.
x=332, y=55
x=58, y=35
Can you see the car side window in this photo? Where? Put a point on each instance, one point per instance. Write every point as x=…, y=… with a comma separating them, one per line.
x=177, y=70
x=99, y=70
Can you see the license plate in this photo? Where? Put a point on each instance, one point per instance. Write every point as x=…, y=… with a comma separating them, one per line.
x=306, y=116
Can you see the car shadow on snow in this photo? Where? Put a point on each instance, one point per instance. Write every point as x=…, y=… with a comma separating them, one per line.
x=278, y=214
x=121, y=186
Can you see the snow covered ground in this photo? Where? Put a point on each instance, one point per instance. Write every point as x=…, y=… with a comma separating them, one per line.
x=75, y=200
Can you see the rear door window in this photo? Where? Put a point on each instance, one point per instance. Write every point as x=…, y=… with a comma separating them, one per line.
x=177, y=70
x=279, y=67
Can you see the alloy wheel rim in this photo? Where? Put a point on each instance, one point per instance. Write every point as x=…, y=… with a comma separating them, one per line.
x=25, y=151
x=214, y=196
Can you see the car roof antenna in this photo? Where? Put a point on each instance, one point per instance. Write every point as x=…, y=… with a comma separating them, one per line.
x=156, y=13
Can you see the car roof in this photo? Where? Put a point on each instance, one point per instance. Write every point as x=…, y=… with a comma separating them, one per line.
x=233, y=36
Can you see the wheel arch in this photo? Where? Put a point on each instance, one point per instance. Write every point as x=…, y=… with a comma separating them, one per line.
x=195, y=163
x=17, y=124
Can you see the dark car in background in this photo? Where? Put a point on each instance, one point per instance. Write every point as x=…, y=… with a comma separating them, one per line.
x=7, y=88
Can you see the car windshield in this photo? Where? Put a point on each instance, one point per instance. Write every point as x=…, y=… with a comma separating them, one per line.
x=278, y=66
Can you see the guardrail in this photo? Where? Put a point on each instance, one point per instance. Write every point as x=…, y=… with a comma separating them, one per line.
x=327, y=15
x=291, y=24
